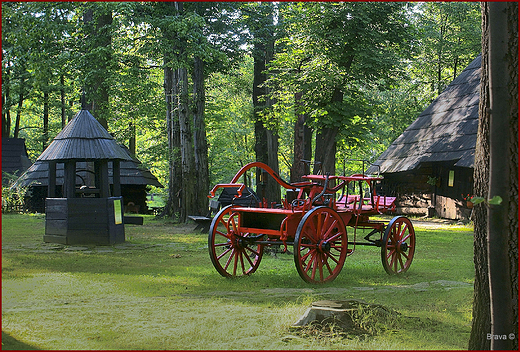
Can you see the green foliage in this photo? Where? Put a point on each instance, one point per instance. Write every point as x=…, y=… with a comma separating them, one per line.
x=496, y=200
x=229, y=113
x=12, y=198
x=388, y=61
x=448, y=40
x=349, y=50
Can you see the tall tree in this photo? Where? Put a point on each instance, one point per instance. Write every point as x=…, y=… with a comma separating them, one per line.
x=449, y=39
x=97, y=63
x=343, y=48
x=260, y=19
x=194, y=38
x=495, y=313
x=36, y=43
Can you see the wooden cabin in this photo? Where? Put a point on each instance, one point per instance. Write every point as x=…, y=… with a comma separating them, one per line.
x=15, y=159
x=429, y=167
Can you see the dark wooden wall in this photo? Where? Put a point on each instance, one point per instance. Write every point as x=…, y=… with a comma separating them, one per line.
x=84, y=221
x=425, y=190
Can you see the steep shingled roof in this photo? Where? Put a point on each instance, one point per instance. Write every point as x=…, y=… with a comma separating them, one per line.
x=83, y=138
x=15, y=159
x=445, y=131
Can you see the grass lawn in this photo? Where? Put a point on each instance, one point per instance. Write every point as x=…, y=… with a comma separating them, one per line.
x=160, y=291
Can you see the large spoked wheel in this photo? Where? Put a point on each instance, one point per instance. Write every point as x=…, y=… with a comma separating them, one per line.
x=320, y=245
x=233, y=253
x=398, y=245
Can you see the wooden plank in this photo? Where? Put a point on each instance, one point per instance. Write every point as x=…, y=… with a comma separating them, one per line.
x=56, y=215
x=117, y=234
x=82, y=239
x=55, y=239
x=134, y=220
x=87, y=233
x=94, y=223
x=55, y=227
x=56, y=208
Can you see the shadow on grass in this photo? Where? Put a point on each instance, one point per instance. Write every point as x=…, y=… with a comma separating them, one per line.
x=9, y=343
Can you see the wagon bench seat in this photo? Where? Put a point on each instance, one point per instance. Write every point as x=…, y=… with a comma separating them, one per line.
x=351, y=203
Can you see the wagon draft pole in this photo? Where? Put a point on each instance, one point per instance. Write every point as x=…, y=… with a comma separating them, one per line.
x=313, y=219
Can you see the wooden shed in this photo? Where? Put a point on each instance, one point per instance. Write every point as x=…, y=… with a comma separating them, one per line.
x=91, y=212
x=429, y=167
x=15, y=159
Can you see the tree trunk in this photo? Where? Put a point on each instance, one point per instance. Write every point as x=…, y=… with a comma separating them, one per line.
x=187, y=153
x=131, y=141
x=325, y=149
x=172, y=126
x=98, y=89
x=19, y=108
x=501, y=157
x=495, y=305
x=62, y=102
x=173, y=205
x=45, y=118
x=200, y=142
x=481, y=324
x=302, y=144
x=266, y=140
x=6, y=108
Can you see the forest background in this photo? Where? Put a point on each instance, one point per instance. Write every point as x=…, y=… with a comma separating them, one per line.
x=197, y=90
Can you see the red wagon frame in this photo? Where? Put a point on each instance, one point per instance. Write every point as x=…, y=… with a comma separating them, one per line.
x=313, y=218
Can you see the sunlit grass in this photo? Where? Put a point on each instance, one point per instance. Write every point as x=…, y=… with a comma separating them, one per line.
x=164, y=293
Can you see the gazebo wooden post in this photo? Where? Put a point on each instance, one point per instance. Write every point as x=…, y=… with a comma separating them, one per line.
x=101, y=172
x=69, y=181
x=51, y=189
x=116, y=178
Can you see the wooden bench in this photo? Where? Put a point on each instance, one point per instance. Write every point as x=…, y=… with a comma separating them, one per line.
x=134, y=220
x=204, y=222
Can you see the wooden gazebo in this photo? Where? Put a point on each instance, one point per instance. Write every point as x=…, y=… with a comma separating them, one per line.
x=89, y=210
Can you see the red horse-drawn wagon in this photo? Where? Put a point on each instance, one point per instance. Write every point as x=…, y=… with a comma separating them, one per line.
x=313, y=218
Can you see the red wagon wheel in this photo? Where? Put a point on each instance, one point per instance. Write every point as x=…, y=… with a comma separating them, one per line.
x=232, y=252
x=320, y=245
x=398, y=246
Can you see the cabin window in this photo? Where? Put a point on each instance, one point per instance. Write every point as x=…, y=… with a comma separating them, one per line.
x=451, y=178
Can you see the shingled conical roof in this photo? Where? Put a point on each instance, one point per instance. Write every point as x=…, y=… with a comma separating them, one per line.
x=445, y=131
x=131, y=173
x=83, y=138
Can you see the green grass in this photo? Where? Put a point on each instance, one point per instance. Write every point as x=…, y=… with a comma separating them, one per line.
x=162, y=292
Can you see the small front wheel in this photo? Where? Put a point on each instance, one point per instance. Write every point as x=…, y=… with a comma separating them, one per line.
x=232, y=252
x=320, y=245
x=398, y=245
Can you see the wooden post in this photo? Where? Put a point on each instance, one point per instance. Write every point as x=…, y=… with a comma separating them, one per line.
x=51, y=189
x=69, y=182
x=116, y=178
x=101, y=171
